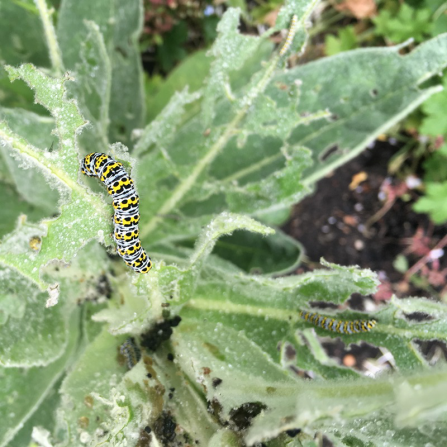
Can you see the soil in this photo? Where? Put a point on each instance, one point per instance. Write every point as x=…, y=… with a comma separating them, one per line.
x=333, y=222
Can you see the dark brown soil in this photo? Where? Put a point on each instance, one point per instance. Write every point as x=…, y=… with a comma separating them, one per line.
x=333, y=222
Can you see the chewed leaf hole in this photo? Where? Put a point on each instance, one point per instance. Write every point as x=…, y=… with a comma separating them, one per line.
x=418, y=316
x=241, y=417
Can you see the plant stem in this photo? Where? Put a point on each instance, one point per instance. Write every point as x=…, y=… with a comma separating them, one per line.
x=50, y=35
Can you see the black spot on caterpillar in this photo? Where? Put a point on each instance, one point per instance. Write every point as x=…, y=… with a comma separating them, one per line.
x=340, y=326
x=125, y=202
x=131, y=352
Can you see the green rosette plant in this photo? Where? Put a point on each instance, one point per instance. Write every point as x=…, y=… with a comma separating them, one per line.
x=225, y=357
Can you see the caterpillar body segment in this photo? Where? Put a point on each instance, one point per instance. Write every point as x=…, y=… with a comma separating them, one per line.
x=290, y=35
x=131, y=352
x=339, y=326
x=125, y=203
x=126, y=221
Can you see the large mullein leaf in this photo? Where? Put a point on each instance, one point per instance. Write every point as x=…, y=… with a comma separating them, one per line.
x=22, y=37
x=39, y=345
x=83, y=216
x=364, y=98
x=25, y=389
x=120, y=25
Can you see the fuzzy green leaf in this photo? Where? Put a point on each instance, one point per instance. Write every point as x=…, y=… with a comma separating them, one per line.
x=24, y=390
x=45, y=417
x=346, y=40
x=120, y=24
x=252, y=253
x=51, y=337
x=231, y=50
x=89, y=382
x=226, y=223
x=193, y=173
x=91, y=88
x=363, y=101
x=362, y=411
x=203, y=171
x=240, y=344
x=266, y=309
x=32, y=335
x=408, y=23
x=83, y=216
x=434, y=123
x=13, y=206
x=29, y=183
x=21, y=35
x=191, y=72
x=433, y=203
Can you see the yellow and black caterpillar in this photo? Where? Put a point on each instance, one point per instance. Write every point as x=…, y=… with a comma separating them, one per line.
x=125, y=202
x=340, y=326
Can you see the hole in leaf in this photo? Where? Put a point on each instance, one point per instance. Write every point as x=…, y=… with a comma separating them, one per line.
x=289, y=352
x=216, y=382
x=434, y=351
x=293, y=432
x=418, y=316
x=241, y=417
x=357, y=354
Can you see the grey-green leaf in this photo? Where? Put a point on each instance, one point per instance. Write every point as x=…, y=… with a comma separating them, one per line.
x=120, y=24
x=364, y=99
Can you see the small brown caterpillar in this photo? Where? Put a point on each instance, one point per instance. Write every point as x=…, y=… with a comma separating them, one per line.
x=340, y=326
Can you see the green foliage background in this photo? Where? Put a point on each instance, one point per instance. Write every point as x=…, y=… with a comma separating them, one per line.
x=214, y=167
